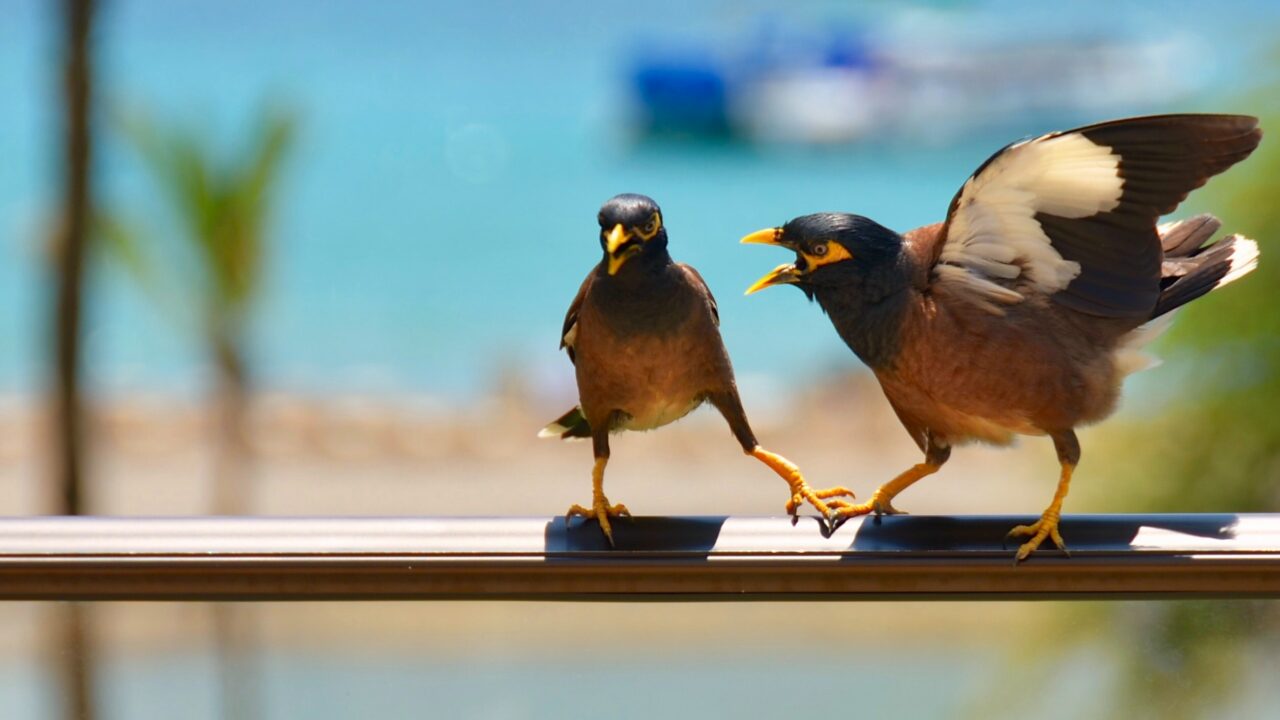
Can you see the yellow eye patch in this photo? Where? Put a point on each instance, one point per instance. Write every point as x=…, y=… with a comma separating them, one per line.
x=651, y=228
x=834, y=253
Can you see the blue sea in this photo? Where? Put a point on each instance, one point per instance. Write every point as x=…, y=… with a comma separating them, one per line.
x=438, y=212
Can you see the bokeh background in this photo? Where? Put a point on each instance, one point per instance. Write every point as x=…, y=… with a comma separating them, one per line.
x=329, y=256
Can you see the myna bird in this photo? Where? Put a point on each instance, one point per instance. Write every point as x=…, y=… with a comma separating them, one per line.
x=1024, y=310
x=644, y=336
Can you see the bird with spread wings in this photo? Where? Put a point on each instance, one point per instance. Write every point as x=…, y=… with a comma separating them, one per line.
x=1022, y=313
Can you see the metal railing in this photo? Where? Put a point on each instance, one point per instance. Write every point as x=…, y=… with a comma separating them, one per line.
x=704, y=558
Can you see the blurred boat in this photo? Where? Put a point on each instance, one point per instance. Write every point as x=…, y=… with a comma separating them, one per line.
x=847, y=84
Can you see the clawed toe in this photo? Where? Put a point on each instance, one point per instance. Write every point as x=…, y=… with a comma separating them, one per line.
x=600, y=511
x=825, y=501
x=878, y=505
x=1044, y=528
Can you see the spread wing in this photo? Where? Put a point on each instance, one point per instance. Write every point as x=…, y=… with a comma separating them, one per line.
x=706, y=291
x=569, y=333
x=1073, y=214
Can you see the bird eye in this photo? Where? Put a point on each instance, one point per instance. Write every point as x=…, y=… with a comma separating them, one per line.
x=820, y=250
x=651, y=227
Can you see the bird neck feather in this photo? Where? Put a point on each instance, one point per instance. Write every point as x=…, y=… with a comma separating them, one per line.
x=869, y=311
x=642, y=269
x=650, y=294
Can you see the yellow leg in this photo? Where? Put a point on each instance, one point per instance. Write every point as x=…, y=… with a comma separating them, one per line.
x=881, y=501
x=600, y=508
x=1047, y=525
x=800, y=490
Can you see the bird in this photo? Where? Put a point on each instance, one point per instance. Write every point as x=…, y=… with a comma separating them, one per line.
x=643, y=334
x=1022, y=312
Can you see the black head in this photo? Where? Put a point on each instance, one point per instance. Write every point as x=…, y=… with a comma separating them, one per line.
x=857, y=271
x=630, y=226
x=832, y=249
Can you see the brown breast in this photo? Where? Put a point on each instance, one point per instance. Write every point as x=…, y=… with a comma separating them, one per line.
x=652, y=377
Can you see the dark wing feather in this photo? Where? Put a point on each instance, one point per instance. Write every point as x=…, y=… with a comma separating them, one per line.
x=706, y=291
x=568, y=333
x=1072, y=214
x=1162, y=159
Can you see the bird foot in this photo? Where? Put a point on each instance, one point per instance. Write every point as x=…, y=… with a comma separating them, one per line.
x=800, y=490
x=1045, y=527
x=826, y=501
x=879, y=504
x=601, y=510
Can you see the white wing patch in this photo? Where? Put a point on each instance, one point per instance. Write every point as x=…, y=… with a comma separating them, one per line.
x=993, y=234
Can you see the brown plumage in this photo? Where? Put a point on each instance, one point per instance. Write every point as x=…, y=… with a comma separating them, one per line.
x=656, y=371
x=1025, y=309
x=643, y=334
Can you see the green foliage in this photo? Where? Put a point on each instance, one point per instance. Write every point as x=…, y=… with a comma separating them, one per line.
x=221, y=205
x=1183, y=659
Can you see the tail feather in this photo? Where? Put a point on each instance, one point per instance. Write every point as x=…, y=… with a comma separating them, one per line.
x=1204, y=269
x=1191, y=268
x=572, y=424
x=1183, y=237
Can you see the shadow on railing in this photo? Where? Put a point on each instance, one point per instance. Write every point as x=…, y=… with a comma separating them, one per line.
x=900, y=534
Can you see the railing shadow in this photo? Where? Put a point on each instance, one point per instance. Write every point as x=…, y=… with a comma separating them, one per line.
x=977, y=533
x=900, y=533
x=648, y=534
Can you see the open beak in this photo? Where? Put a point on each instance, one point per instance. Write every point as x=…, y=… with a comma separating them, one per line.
x=768, y=236
x=785, y=274
x=616, y=239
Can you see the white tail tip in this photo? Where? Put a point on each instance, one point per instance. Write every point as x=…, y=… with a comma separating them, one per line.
x=554, y=430
x=1244, y=259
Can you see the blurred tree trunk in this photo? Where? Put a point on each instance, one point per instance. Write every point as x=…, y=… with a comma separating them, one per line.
x=234, y=630
x=72, y=648
x=69, y=256
x=230, y=402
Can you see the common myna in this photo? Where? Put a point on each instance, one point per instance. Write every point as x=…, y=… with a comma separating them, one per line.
x=1024, y=310
x=644, y=336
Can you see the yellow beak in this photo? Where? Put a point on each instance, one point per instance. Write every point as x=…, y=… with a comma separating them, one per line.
x=617, y=236
x=616, y=239
x=785, y=274
x=768, y=236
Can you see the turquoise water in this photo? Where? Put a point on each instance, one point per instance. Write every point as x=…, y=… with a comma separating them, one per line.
x=439, y=212
x=694, y=684
x=854, y=680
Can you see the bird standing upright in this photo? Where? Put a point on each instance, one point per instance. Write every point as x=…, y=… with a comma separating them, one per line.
x=644, y=336
x=1024, y=310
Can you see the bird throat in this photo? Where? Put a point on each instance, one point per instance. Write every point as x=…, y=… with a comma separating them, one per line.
x=649, y=295
x=869, y=315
